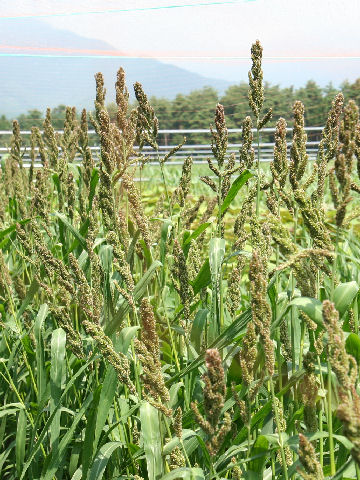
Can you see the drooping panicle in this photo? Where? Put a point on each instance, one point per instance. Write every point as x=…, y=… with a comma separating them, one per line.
x=261, y=312
x=137, y=208
x=328, y=144
x=122, y=99
x=247, y=152
x=357, y=147
x=185, y=180
x=88, y=161
x=309, y=391
x=307, y=456
x=214, y=399
x=219, y=140
x=280, y=165
x=148, y=351
x=343, y=364
x=147, y=122
x=256, y=90
x=15, y=150
x=298, y=155
x=181, y=279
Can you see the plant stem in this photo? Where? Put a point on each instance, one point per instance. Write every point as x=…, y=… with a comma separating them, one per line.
x=329, y=420
x=333, y=278
x=293, y=308
x=277, y=419
x=258, y=172
x=165, y=185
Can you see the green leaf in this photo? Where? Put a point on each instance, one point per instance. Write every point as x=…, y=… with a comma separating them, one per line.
x=125, y=337
x=194, y=236
x=352, y=345
x=223, y=340
x=56, y=180
x=77, y=475
x=216, y=257
x=58, y=367
x=44, y=432
x=58, y=456
x=260, y=446
x=107, y=395
x=131, y=249
x=63, y=219
x=198, y=327
x=88, y=443
x=82, y=231
x=139, y=291
x=294, y=440
x=101, y=460
x=20, y=441
x=147, y=253
x=203, y=278
x=185, y=473
x=174, y=390
x=234, y=189
x=12, y=227
x=175, y=442
x=41, y=375
x=344, y=295
x=339, y=475
x=34, y=287
x=106, y=260
x=93, y=183
x=150, y=431
x=311, y=306
x=164, y=238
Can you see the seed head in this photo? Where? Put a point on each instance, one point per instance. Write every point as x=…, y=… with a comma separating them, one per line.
x=220, y=136
x=261, y=313
x=247, y=153
x=256, y=90
x=298, y=155
x=280, y=166
x=342, y=363
x=214, y=398
x=307, y=457
x=148, y=352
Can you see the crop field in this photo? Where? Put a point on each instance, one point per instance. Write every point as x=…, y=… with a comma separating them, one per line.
x=200, y=325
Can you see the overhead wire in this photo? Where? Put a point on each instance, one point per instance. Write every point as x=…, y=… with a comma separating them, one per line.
x=126, y=10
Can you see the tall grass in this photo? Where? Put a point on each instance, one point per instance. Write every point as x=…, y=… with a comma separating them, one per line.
x=180, y=330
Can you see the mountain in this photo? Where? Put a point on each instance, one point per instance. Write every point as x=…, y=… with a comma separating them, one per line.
x=32, y=82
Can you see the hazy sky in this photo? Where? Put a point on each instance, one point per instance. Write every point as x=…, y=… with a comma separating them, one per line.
x=286, y=28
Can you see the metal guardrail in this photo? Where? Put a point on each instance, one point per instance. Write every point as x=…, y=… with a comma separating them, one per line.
x=199, y=151
x=195, y=130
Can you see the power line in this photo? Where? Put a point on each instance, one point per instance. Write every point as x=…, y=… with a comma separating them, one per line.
x=127, y=10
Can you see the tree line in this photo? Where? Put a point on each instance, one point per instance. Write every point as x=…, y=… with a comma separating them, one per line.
x=196, y=110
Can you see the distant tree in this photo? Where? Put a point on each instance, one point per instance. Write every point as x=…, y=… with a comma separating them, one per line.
x=5, y=123
x=312, y=97
x=58, y=116
x=235, y=101
x=33, y=118
x=351, y=90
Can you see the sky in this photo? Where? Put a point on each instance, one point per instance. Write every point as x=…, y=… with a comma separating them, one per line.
x=188, y=33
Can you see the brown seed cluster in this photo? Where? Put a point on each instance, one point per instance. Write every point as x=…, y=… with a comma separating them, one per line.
x=214, y=397
x=148, y=352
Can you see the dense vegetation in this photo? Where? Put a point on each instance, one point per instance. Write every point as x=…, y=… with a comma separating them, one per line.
x=174, y=332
